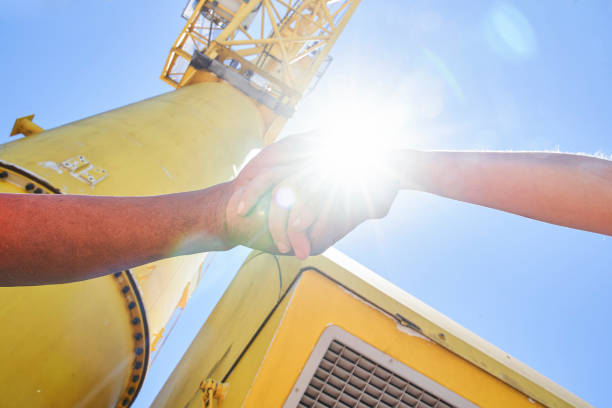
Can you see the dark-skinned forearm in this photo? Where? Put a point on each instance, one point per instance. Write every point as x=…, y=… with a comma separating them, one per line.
x=564, y=189
x=62, y=238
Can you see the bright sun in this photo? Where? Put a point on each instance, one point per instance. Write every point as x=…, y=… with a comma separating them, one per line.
x=349, y=160
x=356, y=137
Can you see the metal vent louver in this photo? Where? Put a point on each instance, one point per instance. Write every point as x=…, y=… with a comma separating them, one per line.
x=345, y=372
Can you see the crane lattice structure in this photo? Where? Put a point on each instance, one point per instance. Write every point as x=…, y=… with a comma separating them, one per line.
x=269, y=49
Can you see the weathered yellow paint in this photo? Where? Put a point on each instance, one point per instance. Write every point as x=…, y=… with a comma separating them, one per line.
x=162, y=286
x=319, y=302
x=444, y=331
x=227, y=331
x=270, y=365
x=64, y=345
x=184, y=140
x=242, y=378
x=239, y=384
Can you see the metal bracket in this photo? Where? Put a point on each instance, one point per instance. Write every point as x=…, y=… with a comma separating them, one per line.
x=213, y=390
x=25, y=126
x=82, y=169
x=201, y=61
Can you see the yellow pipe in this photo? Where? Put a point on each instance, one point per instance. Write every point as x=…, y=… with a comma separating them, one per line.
x=79, y=343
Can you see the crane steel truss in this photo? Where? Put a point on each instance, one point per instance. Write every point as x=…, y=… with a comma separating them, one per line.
x=278, y=46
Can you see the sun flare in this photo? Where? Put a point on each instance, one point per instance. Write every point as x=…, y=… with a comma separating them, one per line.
x=354, y=141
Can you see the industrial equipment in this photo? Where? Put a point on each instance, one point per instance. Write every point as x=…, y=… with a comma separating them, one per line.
x=323, y=332
x=89, y=343
x=327, y=332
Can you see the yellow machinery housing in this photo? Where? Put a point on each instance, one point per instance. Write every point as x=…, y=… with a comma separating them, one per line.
x=327, y=332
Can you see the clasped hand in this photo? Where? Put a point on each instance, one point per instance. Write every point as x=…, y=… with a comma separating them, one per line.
x=300, y=195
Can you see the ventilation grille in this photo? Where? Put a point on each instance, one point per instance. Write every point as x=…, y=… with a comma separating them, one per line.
x=345, y=378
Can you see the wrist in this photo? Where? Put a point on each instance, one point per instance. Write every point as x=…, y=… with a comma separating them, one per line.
x=223, y=194
x=211, y=227
x=412, y=168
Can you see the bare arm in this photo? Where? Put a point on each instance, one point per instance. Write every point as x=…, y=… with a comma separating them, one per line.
x=62, y=238
x=564, y=189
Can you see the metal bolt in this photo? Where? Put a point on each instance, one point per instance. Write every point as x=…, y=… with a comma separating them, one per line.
x=138, y=351
x=131, y=390
x=29, y=186
x=136, y=321
x=3, y=174
x=135, y=378
x=38, y=190
x=117, y=274
x=137, y=365
x=125, y=289
x=125, y=402
x=138, y=336
x=132, y=305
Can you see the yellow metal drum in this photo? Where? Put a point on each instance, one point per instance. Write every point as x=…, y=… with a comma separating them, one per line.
x=69, y=345
x=87, y=344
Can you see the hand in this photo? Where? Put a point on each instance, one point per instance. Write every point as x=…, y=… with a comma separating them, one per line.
x=310, y=202
x=250, y=230
x=246, y=216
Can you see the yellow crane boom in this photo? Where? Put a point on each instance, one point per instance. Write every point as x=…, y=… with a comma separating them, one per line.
x=90, y=343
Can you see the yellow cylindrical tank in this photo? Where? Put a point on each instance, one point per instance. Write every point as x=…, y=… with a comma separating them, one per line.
x=87, y=343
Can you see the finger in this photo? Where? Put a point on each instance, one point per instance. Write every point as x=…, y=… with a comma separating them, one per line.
x=304, y=214
x=232, y=204
x=301, y=217
x=258, y=187
x=308, y=201
x=300, y=243
x=282, y=199
x=327, y=223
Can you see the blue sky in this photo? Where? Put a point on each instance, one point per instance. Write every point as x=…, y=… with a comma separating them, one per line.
x=520, y=75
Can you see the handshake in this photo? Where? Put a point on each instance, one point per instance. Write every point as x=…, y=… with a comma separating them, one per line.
x=302, y=194
x=296, y=197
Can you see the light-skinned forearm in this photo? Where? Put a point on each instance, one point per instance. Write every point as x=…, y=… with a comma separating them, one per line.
x=62, y=238
x=564, y=189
